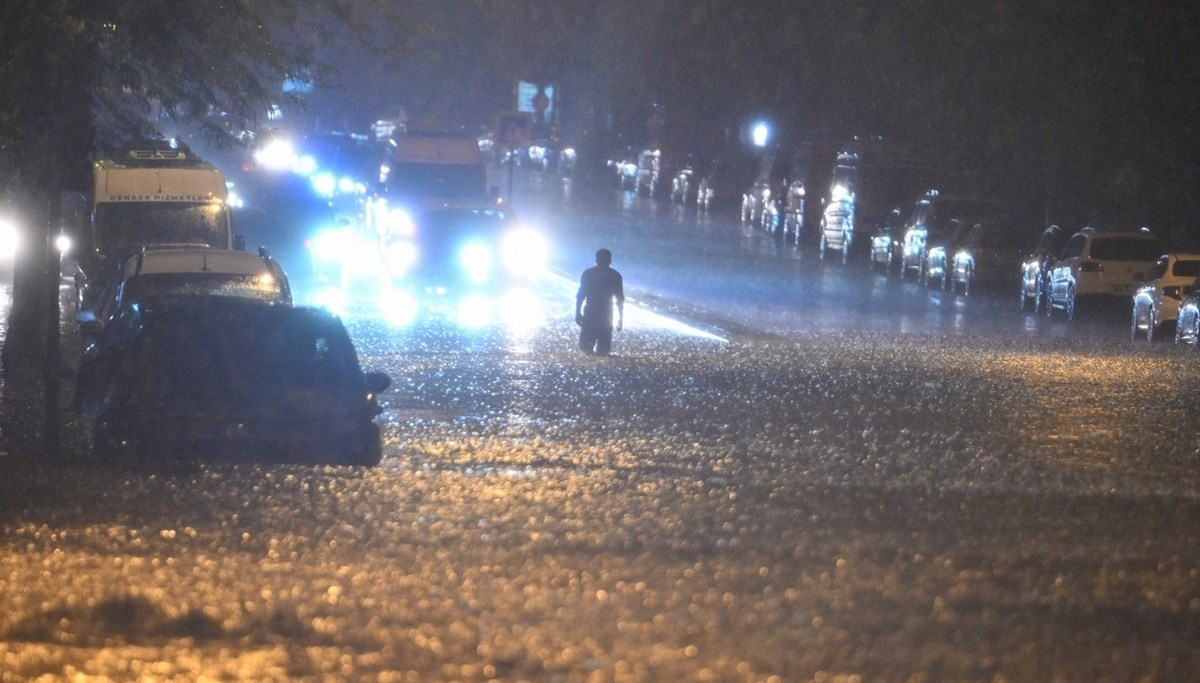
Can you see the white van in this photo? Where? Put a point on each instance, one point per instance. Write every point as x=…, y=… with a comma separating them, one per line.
x=148, y=197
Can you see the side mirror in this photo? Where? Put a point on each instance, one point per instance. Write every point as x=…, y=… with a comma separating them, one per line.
x=377, y=382
x=239, y=243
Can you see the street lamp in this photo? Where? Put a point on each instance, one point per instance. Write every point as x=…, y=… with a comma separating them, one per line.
x=760, y=133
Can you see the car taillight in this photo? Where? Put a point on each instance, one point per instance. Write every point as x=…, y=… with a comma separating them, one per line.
x=1173, y=292
x=1091, y=267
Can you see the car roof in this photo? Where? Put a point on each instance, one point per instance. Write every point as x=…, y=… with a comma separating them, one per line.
x=198, y=260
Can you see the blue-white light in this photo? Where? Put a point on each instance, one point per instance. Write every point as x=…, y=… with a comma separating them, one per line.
x=306, y=165
x=476, y=259
x=524, y=252
x=324, y=184
x=760, y=134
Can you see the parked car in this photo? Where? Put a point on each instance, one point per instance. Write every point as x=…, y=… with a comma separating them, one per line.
x=1035, y=268
x=721, y=182
x=683, y=185
x=1101, y=264
x=1156, y=304
x=755, y=201
x=221, y=378
x=793, y=211
x=1187, y=325
x=930, y=219
x=940, y=250
x=152, y=273
x=649, y=167
x=885, y=242
x=986, y=257
x=837, y=229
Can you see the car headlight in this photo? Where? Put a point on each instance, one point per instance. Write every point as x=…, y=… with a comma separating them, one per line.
x=330, y=245
x=306, y=165
x=324, y=184
x=524, y=252
x=476, y=260
x=9, y=241
x=401, y=256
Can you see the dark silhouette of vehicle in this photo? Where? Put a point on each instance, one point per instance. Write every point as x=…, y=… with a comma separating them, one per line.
x=1035, y=268
x=212, y=378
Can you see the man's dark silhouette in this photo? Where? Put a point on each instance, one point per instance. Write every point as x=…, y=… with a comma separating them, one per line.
x=599, y=286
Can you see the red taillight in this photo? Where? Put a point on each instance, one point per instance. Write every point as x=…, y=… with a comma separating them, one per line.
x=1091, y=267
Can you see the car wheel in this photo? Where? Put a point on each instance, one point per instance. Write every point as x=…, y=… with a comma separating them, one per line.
x=967, y=282
x=1150, y=322
x=845, y=249
x=1133, y=325
x=1193, y=338
x=1069, y=305
x=821, y=248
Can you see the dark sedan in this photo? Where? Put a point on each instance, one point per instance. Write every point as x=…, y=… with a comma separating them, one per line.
x=218, y=378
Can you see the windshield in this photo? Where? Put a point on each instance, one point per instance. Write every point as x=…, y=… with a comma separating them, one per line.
x=132, y=224
x=261, y=286
x=235, y=356
x=1125, y=249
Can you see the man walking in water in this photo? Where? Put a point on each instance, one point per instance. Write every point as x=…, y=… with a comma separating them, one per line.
x=599, y=286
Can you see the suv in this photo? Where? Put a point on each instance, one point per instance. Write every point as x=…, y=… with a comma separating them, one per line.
x=1156, y=305
x=1101, y=264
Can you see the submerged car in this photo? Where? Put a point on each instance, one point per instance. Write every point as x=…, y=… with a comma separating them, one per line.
x=1156, y=304
x=226, y=379
x=1101, y=265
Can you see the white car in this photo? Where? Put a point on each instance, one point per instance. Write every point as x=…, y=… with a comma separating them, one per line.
x=1100, y=264
x=1156, y=304
x=1187, y=326
x=188, y=271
